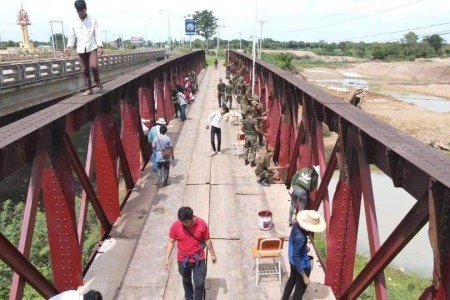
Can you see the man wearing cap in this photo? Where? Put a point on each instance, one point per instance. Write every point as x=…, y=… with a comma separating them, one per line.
x=191, y=234
x=154, y=132
x=263, y=170
x=307, y=221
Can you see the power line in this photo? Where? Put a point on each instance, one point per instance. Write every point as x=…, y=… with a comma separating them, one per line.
x=354, y=19
x=398, y=31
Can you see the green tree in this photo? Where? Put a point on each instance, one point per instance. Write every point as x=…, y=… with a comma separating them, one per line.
x=206, y=24
x=58, y=40
x=410, y=38
x=378, y=51
x=435, y=41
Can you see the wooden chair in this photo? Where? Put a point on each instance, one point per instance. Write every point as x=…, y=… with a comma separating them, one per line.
x=268, y=249
x=239, y=143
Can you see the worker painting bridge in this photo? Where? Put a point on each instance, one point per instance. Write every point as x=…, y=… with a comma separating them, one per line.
x=112, y=182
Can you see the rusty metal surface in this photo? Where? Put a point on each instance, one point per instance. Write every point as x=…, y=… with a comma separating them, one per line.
x=362, y=140
x=416, y=218
x=431, y=161
x=116, y=139
x=17, y=130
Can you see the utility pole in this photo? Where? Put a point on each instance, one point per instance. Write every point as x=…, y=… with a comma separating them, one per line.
x=53, y=36
x=54, y=42
x=240, y=40
x=254, y=48
x=218, y=38
x=261, y=37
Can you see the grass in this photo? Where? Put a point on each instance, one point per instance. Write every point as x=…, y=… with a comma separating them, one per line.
x=400, y=285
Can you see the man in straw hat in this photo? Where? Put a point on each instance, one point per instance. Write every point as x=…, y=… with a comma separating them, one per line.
x=154, y=132
x=307, y=221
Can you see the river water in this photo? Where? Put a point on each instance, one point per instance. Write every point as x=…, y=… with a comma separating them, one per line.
x=354, y=81
x=391, y=205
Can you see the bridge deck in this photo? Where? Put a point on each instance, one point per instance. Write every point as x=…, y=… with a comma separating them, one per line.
x=221, y=190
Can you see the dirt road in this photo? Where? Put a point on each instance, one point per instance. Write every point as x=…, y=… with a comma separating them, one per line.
x=425, y=78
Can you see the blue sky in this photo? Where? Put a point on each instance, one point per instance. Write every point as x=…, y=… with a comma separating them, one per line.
x=307, y=20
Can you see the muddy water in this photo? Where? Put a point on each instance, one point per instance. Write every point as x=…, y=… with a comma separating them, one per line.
x=431, y=103
x=391, y=205
x=354, y=81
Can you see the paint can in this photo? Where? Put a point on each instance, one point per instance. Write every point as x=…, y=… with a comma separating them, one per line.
x=265, y=220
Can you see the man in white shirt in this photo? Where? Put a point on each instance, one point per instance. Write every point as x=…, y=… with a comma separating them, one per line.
x=87, y=35
x=214, y=119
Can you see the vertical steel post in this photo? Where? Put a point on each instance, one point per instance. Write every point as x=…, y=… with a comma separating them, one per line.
x=59, y=200
x=130, y=134
x=344, y=221
x=105, y=155
x=29, y=218
x=168, y=95
x=161, y=110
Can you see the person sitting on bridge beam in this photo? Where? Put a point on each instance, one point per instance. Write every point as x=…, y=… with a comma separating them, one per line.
x=87, y=35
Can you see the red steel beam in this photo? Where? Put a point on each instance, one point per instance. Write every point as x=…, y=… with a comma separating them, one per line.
x=29, y=218
x=324, y=198
x=160, y=106
x=22, y=266
x=370, y=213
x=130, y=136
x=59, y=200
x=170, y=111
x=124, y=165
x=84, y=205
x=439, y=233
x=105, y=156
x=86, y=184
x=411, y=224
x=344, y=221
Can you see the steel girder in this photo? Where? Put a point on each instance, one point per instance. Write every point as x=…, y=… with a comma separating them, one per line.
x=43, y=140
x=362, y=140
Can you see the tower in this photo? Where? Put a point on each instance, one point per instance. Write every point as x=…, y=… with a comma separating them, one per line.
x=23, y=20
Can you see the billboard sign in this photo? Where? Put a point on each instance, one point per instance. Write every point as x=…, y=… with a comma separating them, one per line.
x=189, y=26
x=137, y=40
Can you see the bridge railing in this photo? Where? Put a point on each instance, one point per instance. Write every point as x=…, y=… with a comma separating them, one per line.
x=297, y=112
x=18, y=73
x=101, y=169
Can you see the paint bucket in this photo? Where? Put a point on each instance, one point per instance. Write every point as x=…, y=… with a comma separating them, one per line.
x=265, y=220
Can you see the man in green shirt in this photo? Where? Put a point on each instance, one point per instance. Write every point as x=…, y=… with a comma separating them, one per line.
x=220, y=91
x=263, y=170
x=251, y=130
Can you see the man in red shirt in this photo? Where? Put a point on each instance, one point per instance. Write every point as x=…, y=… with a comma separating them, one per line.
x=192, y=235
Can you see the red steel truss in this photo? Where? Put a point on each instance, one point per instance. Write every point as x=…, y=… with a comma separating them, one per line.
x=115, y=148
x=294, y=127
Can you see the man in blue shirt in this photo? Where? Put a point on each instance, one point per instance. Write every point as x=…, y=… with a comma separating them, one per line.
x=307, y=221
x=153, y=133
x=160, y=144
